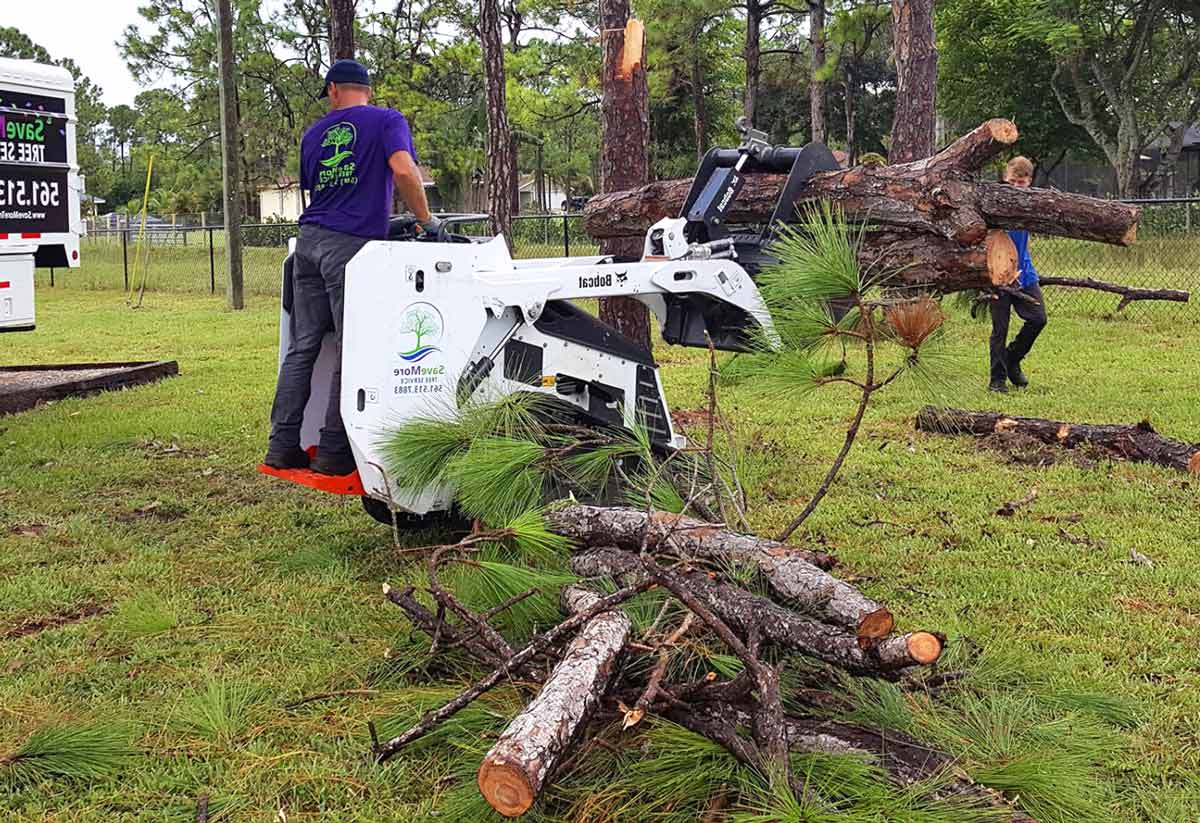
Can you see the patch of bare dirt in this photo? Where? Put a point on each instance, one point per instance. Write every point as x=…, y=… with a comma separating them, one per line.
x=166, y=512
x=1025, y=450
x=28, y=529
x=36, y=625
x=158, y=449
x=689, y=418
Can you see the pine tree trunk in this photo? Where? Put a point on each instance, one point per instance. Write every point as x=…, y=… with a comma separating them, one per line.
x=341, y=29
x=698, y=105
x=230, y=159
x=931, y=217
x=751, y=51
x=501, y=164
x=816, y=85
x=916, y=80
x=851, y=115
x=624, y=155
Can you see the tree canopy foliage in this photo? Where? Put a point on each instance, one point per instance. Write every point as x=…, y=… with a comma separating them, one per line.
x=1113, y=81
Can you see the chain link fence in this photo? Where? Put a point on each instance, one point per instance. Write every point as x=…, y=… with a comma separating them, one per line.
x=176, y=257
x=182, y=258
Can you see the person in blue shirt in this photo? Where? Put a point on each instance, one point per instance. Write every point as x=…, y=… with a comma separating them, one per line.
x=351, y=160
x=1006, y=357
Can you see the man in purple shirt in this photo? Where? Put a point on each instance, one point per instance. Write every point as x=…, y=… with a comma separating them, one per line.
x=350, y=160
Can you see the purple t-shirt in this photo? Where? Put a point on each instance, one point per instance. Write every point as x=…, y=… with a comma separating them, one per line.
x=344, y=168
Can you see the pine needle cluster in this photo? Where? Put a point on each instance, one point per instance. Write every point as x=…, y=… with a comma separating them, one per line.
x=71, y=752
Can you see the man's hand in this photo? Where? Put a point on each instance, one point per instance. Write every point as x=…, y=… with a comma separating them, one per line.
x=431, y=226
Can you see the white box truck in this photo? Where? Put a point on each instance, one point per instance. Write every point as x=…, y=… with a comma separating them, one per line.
x=40, y=187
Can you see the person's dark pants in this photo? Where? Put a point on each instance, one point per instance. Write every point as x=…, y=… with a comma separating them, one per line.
x=1034, y=315
x=318, y=280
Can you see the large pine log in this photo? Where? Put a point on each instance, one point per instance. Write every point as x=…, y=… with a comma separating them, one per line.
x=933, y=201
x=516, y=769
x=793, y=575
x=1139, y=443
x=747, y=613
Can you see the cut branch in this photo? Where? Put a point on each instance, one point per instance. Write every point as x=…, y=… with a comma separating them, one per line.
x=516, y=769
x=434, y=718
x=1128, y=293
x=748, y=615
x=790, y=572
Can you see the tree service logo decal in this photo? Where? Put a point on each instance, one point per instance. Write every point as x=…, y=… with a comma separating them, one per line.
x=420, y=327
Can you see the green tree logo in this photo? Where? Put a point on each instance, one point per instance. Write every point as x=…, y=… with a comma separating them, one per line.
x=338, y=136
x=423, y=322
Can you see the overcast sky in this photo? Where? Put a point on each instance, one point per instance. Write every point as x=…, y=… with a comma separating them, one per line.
x=87, y=31
x=84, y=30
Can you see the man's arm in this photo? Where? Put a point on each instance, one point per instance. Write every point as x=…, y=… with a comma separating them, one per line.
x=408, y=182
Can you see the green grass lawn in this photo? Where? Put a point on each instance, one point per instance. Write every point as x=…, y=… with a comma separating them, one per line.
x=152, y=581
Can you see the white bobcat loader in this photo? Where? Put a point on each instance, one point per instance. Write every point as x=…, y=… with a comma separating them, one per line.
x=432, y=323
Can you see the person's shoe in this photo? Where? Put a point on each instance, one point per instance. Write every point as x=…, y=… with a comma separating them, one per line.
x=293, y=458
x=334, y=463
x=1000, y=387
x=1017, y=376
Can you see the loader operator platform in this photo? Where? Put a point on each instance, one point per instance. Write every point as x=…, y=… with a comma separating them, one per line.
x=350, y=160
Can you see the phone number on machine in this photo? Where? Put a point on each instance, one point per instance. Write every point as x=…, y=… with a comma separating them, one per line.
x=29, y=193
x=420, y=388
x=22, y=152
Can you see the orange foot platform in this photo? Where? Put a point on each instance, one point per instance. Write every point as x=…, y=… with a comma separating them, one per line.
x=332, y=484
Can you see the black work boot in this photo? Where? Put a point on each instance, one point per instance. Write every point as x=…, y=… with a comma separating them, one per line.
x=1015, y=374
x=999, y=387
x=286, y=458
x=335, y=463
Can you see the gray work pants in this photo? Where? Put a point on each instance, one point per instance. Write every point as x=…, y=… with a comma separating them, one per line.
x=318, y=280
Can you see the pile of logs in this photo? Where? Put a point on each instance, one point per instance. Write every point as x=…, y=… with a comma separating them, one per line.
x=933, y=223
x=593, y=668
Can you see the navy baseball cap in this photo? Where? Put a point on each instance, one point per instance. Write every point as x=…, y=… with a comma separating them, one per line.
x=345, y=71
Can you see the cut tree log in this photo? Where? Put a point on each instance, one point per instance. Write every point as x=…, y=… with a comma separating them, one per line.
x=518, y=766
x=1128, y=293
x=749, y=614
x=932, y=196
x=935, y=200
x=792, y=573
x=1139, y=443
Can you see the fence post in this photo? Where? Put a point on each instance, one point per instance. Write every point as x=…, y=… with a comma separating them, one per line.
x=566, y=238
x=212, y=266
x=52, y=277
x=125, y=254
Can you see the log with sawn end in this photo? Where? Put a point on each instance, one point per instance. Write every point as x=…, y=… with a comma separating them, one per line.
x=935, y=200
x=792, y=573
x=747, y=613
x=518, y=766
